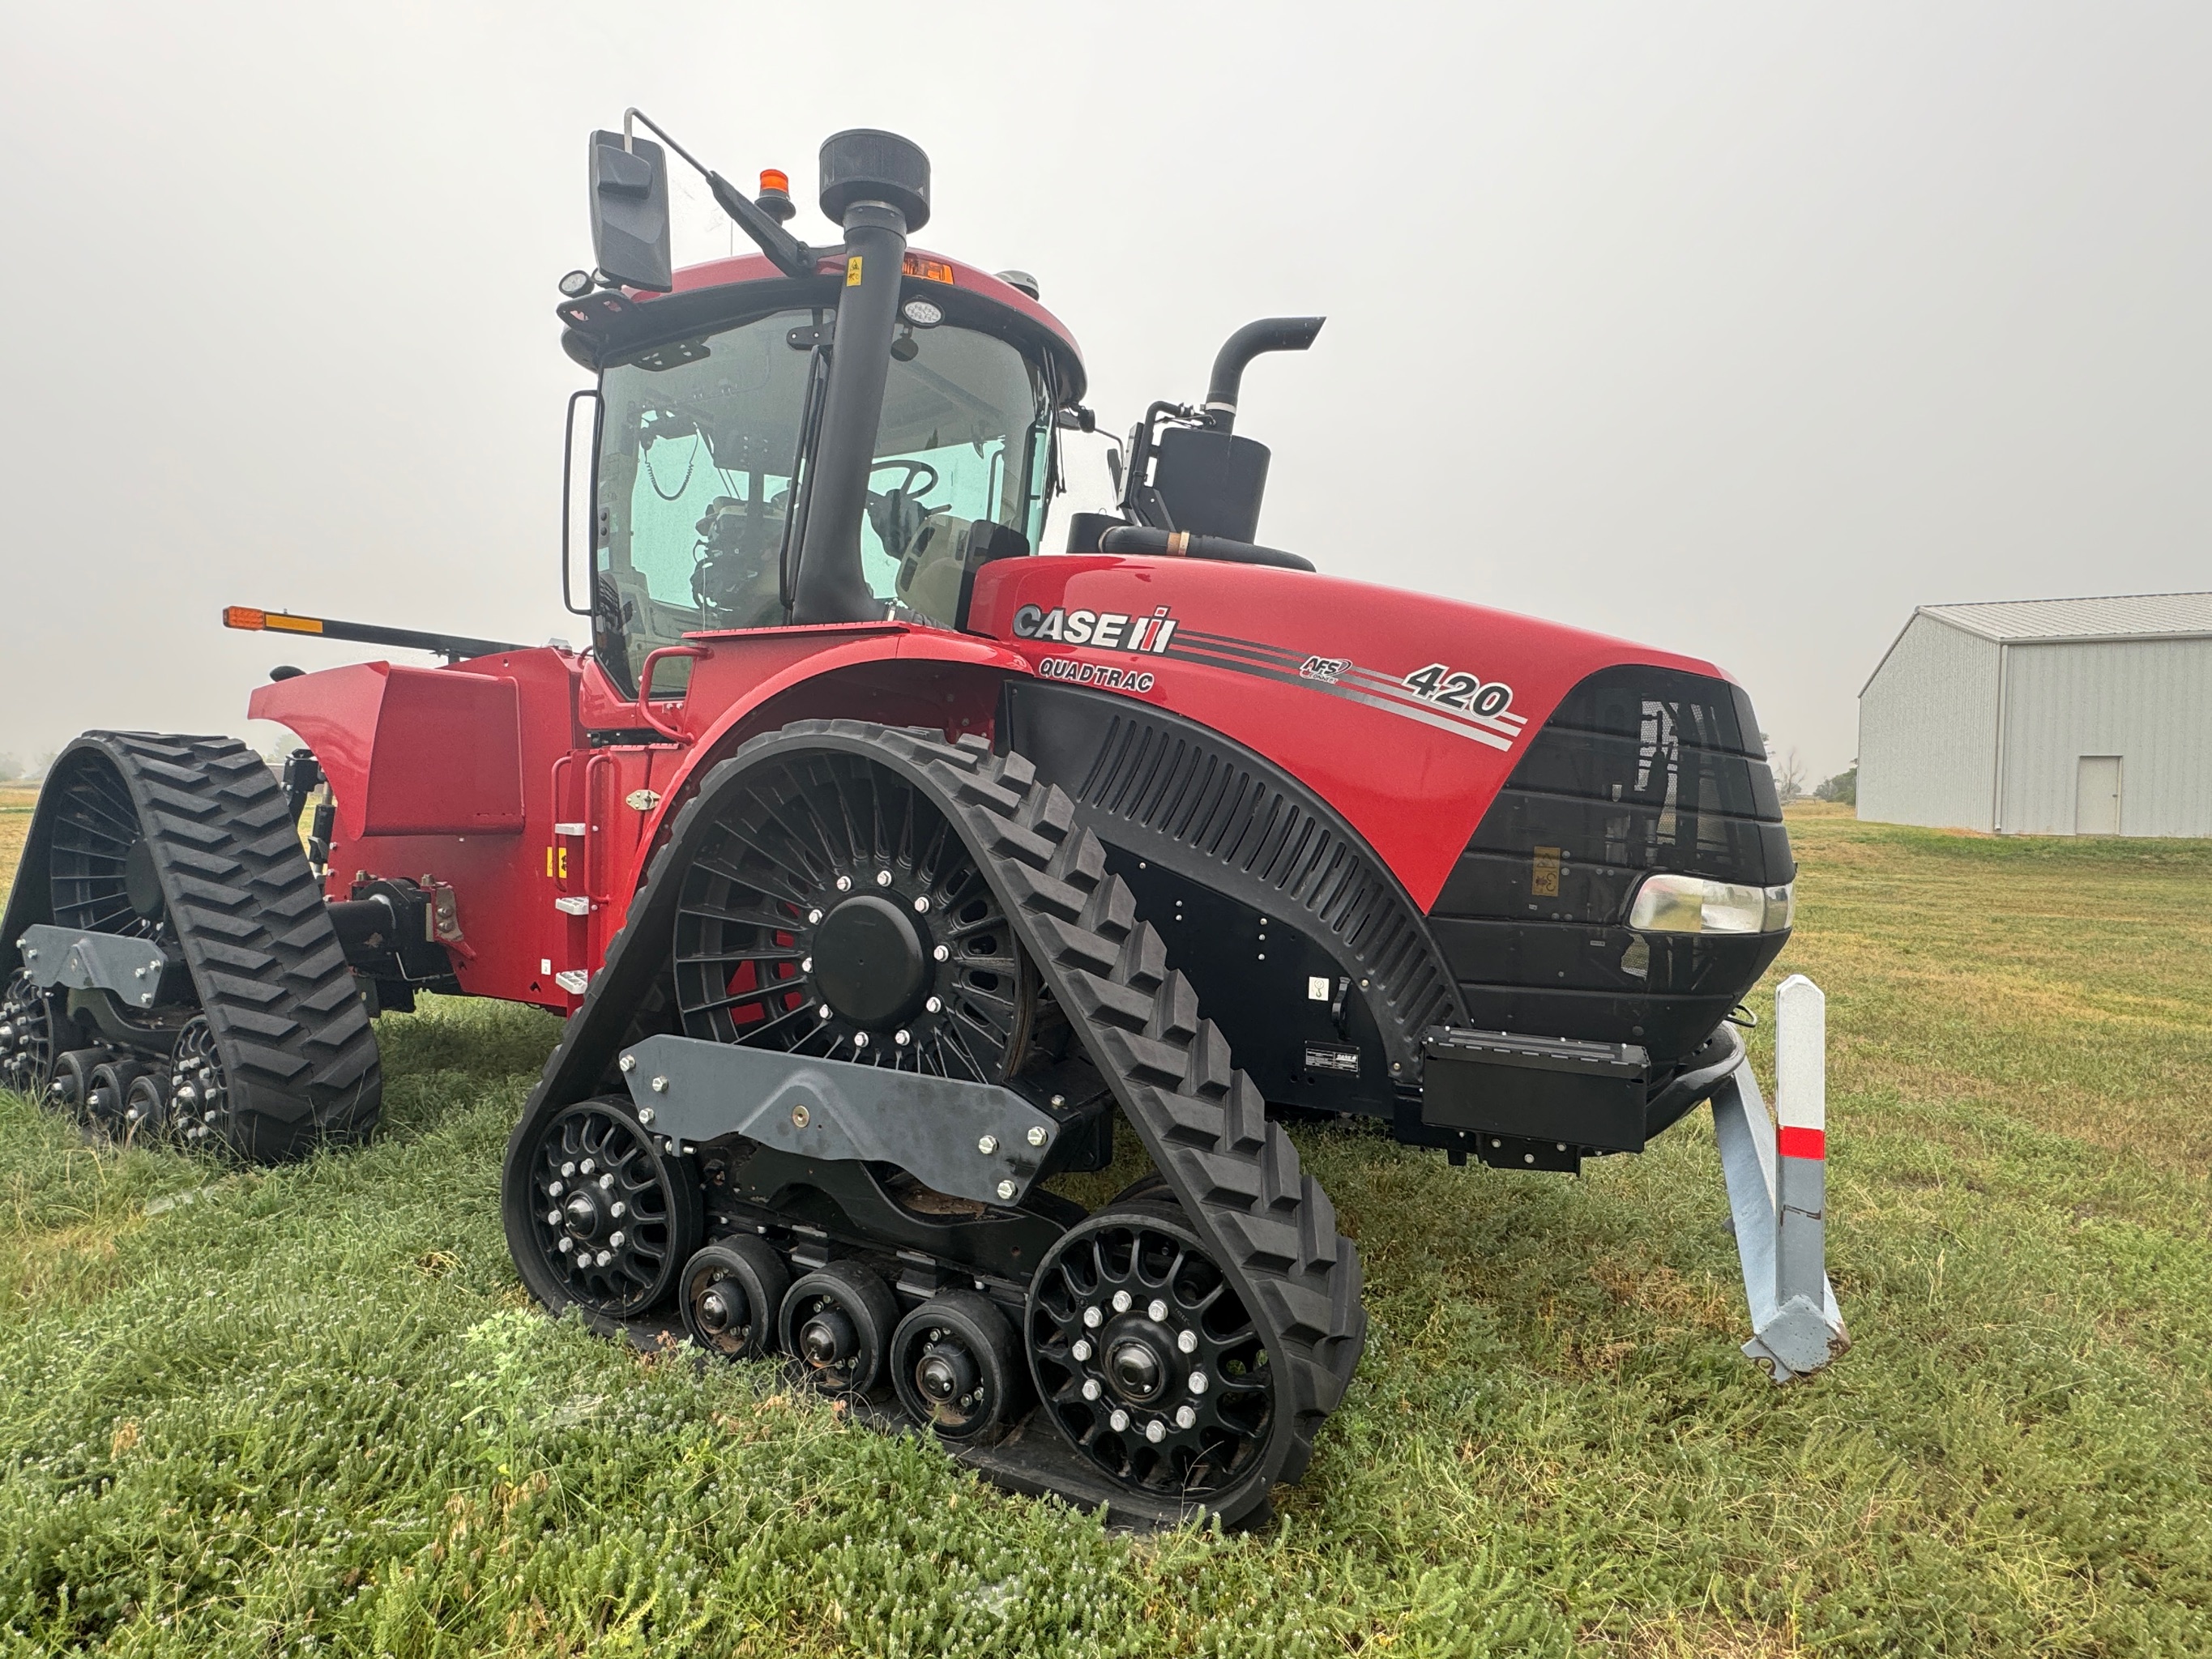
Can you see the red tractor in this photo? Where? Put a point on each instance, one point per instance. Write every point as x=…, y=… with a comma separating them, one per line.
x=886, y=867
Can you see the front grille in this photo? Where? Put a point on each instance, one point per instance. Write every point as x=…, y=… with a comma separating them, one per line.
x=1639, y=769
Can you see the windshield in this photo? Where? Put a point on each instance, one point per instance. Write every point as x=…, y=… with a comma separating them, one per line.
x=698, y=450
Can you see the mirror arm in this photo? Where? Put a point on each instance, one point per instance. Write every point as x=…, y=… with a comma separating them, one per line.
x=788, y=254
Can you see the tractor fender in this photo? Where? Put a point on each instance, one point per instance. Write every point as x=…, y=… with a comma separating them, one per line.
x=826, y=685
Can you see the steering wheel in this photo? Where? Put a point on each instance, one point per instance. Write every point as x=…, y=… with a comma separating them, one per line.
x=907, y=486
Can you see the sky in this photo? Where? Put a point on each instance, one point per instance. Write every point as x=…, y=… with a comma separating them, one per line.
x=1738, y=330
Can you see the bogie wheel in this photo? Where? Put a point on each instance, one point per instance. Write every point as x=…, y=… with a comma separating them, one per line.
x=110, y=1084
x=145, y=1106
x=599, y=1213
x=733, y=1290
x=1146, y=1357
x=71, y=1090
x=26, y=1038
x=838, y=1321
x=953, y=1361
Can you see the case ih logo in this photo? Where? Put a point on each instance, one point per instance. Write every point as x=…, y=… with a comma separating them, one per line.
x=1101, y=630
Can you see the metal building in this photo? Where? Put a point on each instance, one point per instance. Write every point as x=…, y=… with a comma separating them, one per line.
x=2045, y=717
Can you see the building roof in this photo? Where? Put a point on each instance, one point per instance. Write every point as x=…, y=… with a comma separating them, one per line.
x=2053, y=621
x=2121, y=616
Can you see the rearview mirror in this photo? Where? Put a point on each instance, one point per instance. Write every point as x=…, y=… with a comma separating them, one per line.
x=630, y=213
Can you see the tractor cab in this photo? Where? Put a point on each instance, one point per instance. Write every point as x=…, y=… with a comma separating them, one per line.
x=710, y=407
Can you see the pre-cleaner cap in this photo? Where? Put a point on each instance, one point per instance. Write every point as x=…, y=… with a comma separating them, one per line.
x=864, y=165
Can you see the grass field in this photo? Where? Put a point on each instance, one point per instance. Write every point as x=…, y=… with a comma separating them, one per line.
x=305, y=1410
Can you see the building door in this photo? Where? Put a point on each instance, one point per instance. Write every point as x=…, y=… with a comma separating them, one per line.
x=2097, y=796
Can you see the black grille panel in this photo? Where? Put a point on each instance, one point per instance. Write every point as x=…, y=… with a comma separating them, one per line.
x=1639, y=769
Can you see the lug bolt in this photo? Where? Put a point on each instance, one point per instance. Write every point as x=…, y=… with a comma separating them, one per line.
x=1155, y=1308
x=935, y=1004
x=844, y=883
x=1093, y=1318
x=552, y=1190
x=1080, y=1347
x=1187, y=1341
x=629, y=1062
x=860, y=1039
x=1119, y=1420
x=823, y=1012
x=1090, y=1388
x=901, y=1038
x=567, y=1245
x=570, y=1167
x=607, y=1183
x=921, y=904
x=621, y=1209
x=1156, y=1431
x=813, y=916
x=1007, y=1189
x=883, y=878
x=1121, y=1302
x=1185, y=1418
x=603, y=1257
x=1197, y=1381
x=987, y=1145
x=806, y=964
x=553, y=1218
x=942, y=953
x=615, y=1238
x=586, y=1167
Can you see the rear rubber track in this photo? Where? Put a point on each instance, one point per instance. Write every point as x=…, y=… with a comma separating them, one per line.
x=1204, y=1122
x=299, y=1054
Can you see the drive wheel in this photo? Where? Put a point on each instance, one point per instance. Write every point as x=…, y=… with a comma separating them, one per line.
x=608, y=1217
x=838, y=1321
x=1146, y=1357
x=953, y=1363
x=26, y=1038
x=733, y=1290
x=832, y=910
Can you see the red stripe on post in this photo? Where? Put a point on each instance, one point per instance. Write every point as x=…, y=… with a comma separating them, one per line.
x=1793, y=1142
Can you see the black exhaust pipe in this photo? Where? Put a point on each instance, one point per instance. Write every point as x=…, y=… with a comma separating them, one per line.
x=875, y=185
x=1269, y=334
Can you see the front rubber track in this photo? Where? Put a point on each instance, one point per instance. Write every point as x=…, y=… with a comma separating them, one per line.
x=297, y=1053
x=1204, y=1122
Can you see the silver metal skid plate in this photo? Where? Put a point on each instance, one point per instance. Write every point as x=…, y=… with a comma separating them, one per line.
x=973, y=1140
x=62, y=958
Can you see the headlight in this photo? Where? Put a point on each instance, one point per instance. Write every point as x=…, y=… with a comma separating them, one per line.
x=1691, y=904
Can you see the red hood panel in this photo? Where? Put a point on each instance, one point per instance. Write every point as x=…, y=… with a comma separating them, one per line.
x=1328, y=678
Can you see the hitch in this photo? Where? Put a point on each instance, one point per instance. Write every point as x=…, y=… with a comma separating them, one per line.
x=1777, y=1190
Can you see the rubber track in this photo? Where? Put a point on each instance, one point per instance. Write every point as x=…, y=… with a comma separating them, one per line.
x=1204, y=1122
x=298, y=1051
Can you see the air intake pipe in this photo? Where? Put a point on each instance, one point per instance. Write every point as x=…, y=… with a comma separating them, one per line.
x=1269, y=334
x=875, y=185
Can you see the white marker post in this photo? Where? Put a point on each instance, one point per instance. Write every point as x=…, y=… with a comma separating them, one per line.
x=1777, y=1190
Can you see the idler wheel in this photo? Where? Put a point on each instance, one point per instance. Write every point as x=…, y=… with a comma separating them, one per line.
x=953, y=1362
x=71, y=1090
x=733, y=1290
x=107, y=1089
x=146, y=1105
x=611, y=1216
x=838, y=1321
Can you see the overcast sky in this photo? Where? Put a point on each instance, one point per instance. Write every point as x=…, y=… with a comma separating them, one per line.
x=1738, y=330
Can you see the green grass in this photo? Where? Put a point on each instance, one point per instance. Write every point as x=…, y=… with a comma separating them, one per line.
x=309, y=1409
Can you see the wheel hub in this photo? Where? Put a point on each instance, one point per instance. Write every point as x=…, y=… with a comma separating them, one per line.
x=1137, y=1363
x=722, y=1308
x=828, y=1337
x=581, y=1217
x=946, y=1373
x=142, y=883
x=870, y=962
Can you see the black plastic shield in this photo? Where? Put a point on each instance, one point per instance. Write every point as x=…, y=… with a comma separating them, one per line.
x=630, y=213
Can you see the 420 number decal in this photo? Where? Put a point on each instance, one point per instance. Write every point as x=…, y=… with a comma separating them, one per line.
x=1456, y=690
